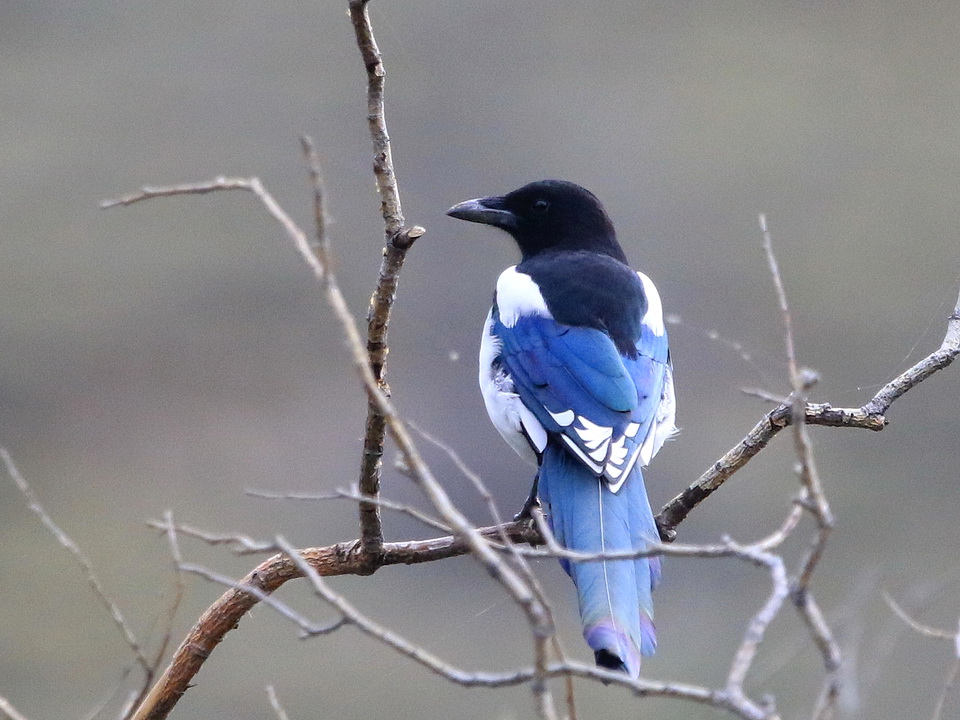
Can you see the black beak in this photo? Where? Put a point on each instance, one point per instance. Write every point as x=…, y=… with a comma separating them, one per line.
x=487, y=211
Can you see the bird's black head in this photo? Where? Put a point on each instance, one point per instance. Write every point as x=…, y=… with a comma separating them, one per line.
x=546, y=215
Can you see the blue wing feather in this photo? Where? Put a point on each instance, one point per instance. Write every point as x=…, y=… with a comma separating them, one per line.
x=557, y=368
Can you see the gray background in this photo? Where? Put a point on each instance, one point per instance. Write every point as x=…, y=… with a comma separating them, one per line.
x=173, y=354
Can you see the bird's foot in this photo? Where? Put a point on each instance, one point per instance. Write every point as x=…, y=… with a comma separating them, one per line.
x=526, y=512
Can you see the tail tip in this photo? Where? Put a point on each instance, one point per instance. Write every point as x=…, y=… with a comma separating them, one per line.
x=612, y=649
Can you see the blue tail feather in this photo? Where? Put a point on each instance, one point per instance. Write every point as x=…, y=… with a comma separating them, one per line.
x=616, y=607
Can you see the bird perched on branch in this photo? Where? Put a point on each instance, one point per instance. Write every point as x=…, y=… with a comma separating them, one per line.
x=576, y=375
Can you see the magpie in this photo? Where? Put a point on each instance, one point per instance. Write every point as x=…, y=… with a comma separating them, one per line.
x=576, y=375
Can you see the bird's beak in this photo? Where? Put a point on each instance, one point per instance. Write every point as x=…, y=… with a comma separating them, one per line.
x=488, y=211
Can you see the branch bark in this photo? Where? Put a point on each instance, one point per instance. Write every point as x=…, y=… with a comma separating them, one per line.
x=397, y=242
x=871, y=416
x=341, y=559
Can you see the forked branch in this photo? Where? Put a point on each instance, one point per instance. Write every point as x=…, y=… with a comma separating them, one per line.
x=870, y=416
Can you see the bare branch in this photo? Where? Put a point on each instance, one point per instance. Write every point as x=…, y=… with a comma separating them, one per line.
x=372, y=629
x=458, y=676
x=829, y=650
x=409, y=510
x=753, y=637
x=239, y=544
x=370, y=551
x=953, y=637
x=179, y=588
x=543, y=697
x=308, y=628
x=201, y=188
x=948, y=684
x=869, y=417
x=221, y=183
x=223, y=616
x=815, y=501
x=85, y=565
x=781, y=297
x=320, y=219
x=353, y=494
x=397, y=242
x=938, y=360
x=919, y=627
x=467, y=472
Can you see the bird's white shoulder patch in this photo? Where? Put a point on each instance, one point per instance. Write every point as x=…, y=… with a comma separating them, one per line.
x=517, y=295
x=653, y=318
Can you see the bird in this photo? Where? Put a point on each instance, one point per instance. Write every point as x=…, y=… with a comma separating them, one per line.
x=576, y=375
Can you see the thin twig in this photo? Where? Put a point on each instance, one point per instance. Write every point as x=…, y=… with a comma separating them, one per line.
x=781, y=297
x=239, y=544
x=86, y=566
x=926, y=630
x=415, y=513
x=354, y=494
x=179, y=590
x=179, y=587
x=252, y=586
x=754, y=634
x=376, y=631
x=275, y=704
x=815, y=500
x=286, y=495
x=919, y=627
x=948, y=684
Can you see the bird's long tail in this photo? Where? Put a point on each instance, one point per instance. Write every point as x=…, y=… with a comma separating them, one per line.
x=616, y=607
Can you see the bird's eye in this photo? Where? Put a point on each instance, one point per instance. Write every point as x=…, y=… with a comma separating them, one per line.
x=540, y=206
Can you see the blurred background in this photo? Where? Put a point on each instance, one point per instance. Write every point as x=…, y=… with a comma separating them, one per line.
x=173, y=354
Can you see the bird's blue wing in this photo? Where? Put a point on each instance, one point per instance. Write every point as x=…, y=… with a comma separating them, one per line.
x=579, y=386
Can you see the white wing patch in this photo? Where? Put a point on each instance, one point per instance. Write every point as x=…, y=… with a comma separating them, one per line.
x=653, y=318
x=518, y=295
